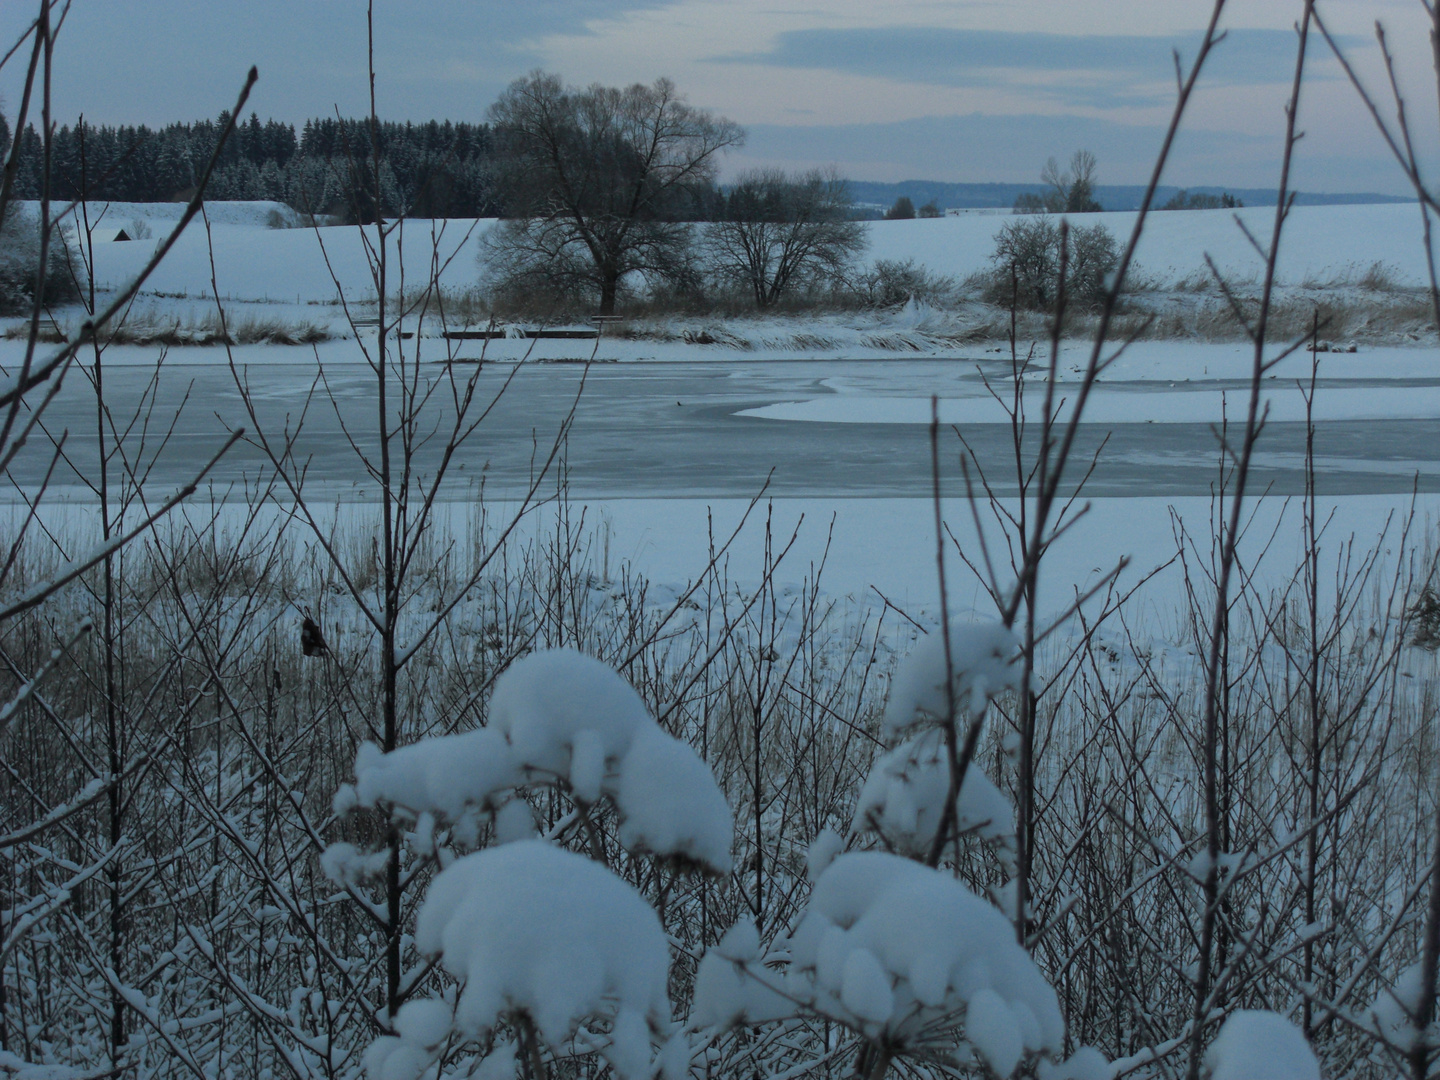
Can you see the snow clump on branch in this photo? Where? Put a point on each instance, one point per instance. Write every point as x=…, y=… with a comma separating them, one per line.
x=529, y=928
x=904, y=798
x=895, y=951
x=1257, y=1045
x=561, y=716
x=984, y=662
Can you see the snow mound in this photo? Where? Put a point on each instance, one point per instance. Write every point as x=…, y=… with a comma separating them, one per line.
x=1258, y=1045
x=559, y=715
x=904, y=796
x=890, y=948
x=984, y=662
x=532, y=928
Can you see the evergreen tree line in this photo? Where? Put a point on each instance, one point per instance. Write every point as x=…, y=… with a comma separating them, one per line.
x=432, y=169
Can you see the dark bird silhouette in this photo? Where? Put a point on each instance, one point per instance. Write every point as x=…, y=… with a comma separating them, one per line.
x=312, y=642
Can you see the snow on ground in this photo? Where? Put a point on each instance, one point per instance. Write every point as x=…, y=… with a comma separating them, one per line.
x=887, y=546
x=295, y=274
x=1321, y=243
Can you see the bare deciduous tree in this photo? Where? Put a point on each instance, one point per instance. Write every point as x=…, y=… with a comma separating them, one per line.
x=780, y=232
x=1028, y=263
x=597, y=182
x=1071, y=191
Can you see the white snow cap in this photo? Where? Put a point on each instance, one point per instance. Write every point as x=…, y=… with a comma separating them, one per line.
x=442, y=775
x=889, y=945
x=559, y=703
x=1257, y=1045
x=904, y=796
x=984, y=661
x=533, y=927
x=670, y=804
x=727, y=994
x=559, y=714
x=822, y=852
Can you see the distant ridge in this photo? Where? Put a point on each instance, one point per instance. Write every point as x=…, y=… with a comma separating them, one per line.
x=1110, y=196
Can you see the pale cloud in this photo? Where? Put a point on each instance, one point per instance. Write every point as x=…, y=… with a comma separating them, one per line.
x=832, y=72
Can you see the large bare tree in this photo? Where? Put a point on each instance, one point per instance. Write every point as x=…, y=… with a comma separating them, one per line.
x=780, y=232
x=597, y=183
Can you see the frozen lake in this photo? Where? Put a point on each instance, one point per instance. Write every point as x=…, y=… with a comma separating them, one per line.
x=836, y=429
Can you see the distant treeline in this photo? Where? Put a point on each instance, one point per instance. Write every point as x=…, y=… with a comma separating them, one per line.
x=434, y=169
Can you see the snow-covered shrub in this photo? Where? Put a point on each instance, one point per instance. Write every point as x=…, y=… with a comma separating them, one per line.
x=904, y=797
x=538, y=937
x=983, y=663
x=907, y=956
x=899, y=952
x=531, y=929
x=560, y=717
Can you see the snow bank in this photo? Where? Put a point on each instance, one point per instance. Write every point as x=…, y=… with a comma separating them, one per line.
x=1112, y=405
x=1258, y=1045
x=562, y=716
x=528, y=927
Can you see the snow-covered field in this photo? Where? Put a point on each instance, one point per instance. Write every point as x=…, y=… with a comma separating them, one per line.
x=1322, y=244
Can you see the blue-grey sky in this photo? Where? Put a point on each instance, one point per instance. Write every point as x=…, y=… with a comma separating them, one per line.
x=954, y=90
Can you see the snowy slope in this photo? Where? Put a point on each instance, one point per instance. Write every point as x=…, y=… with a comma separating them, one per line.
x=1321, y=243
x=255, y=262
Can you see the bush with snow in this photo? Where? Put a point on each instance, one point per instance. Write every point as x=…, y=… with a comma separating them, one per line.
x=896, y=951
x=529, y=929
x=903, y=954
x=551, y=951
x=1258, y=1045
x=984, y=662
x=561, y=718
x=904, y=797
x=537, y=938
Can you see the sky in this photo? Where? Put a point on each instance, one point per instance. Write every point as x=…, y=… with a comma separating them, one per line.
x=889, y=90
